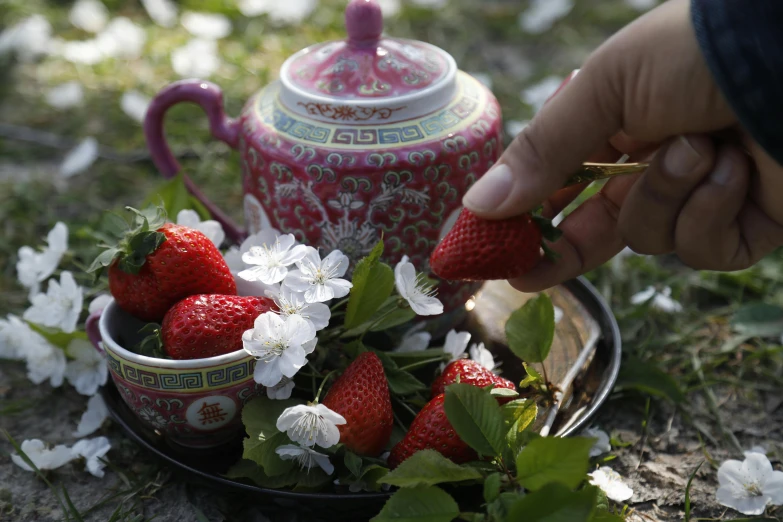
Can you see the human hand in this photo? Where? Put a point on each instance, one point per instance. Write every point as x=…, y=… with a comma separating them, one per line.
x=711, y=194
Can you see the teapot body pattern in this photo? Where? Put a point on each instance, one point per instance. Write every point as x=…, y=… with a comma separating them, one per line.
x=360, y=139
x=338, y=186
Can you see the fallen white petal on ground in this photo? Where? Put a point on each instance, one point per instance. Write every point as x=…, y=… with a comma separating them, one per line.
x=135, y=105
x=79, y=158
x=93, y=417
x=162, y=12
x=65, y=95
x=542, y=14
x=89, y=15
x=210, y=26
x=196, y=59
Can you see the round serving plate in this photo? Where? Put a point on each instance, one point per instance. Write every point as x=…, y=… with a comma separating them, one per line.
x=586, y=344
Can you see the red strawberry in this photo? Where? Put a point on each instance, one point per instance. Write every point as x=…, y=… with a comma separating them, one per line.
x=432, y=430
x=361, y=395
x=470, y=372
x=156, y=264
x=480, y=250
x=208, y=325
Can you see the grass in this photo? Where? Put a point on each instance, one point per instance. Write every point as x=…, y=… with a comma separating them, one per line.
x=717, y=353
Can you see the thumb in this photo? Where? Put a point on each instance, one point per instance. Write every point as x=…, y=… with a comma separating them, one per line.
x=568, y=129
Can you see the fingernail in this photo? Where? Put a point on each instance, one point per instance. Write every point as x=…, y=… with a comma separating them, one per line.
x=723, y=171
x=681, y=158
x=490, y=190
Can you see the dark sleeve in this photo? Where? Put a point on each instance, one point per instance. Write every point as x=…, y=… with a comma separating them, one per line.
x=742, y=41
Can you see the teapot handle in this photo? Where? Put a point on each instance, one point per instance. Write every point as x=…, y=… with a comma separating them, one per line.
x=93, y=331
x=210, y=98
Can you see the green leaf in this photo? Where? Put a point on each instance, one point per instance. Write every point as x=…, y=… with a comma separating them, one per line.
x=114, y=224
x=532, y=377
x=605, y=516
x=531, y=329
x=246, y=469
x=647, y=378
x=688, y=492
x=353, y=462
x=492, y=487
x=475, y=416
x=518, y=415
x=372, y=475
x=372, y=282
x=104, y=259
x=555, y=503
x=402, y=382
x=172, y=195
x=427, y=468
x=395, y=318
x=312, y=479
x=260, y=416
x=498, y=510
x=547, y=460
x=266, y=457
x=503, y=393
x=424, y=504
x=759, y=320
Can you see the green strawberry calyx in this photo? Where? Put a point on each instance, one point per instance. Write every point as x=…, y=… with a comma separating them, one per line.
x=135, y=240
x=549, y=233
x=152, y=344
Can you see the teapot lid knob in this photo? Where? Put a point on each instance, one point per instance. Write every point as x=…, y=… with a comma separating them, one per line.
x=364, y=23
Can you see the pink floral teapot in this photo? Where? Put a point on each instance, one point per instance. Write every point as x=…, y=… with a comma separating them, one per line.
x=359, y=139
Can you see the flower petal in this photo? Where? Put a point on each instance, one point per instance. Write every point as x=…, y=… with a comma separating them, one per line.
x=290, y=416
x=298, y=330
x=93, y=418
x=339, y=287
x=268, y=373
x=426, y=305
x=773, y=487
x=297, y=281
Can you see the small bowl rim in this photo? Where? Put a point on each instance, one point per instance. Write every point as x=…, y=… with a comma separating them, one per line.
x=182, y=364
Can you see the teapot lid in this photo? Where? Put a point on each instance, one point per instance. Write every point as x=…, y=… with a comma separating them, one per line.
x=367, y=78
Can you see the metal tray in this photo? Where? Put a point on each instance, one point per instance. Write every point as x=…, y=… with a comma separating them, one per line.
x=586, y=319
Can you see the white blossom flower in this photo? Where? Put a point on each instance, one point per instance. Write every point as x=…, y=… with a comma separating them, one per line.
x=659, y=300
x=611, y=483
x=290, y=303
x=41, y=456
x=44, y=361
x=602, y=444
x=412, y=288
x=122, y=39
x=60, y=306
x=79, y=158
x=272, y=257
x=210, y=228
x=93, y=417
x=29, y=38
x=311, y=425
x=282, y=390
x=456, y=344
x=305, y=457
x=536, y=95
x=196, y=59
x=389, y=8
x=756, y=449
x=480, y=354
x=414, y=340
x=15, y=336
x=65, y=95
x=92, y=450
x=89, y=15
x=87, y=370
x=99, y=302
x=162, y=12
x=280, y=346
x=233, y=258
x=319, y=280
x=34, y=267
x=211, y=26
x=542, y=14
x=135, y=105
x=750, y=485
x=287, y=12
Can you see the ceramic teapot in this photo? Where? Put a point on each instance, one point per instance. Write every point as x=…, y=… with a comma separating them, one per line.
x=359, y=139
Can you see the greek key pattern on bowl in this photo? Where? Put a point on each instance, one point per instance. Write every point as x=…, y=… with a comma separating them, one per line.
x=192, y=380
x=469, y=105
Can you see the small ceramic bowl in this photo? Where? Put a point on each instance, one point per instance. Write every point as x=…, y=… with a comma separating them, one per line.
x=194, y=403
